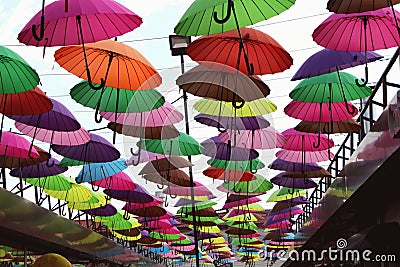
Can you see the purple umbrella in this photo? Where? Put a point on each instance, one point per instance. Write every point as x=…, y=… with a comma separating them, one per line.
x=327, y=61
x=283, y=165
x=301, y=200
x=107, y=210
x=97, y=149
x=286, y=213
x=138, y=195
x=173, y=222
x=238, y=123
x=39, y=170
x=304, y=183
x=184, y=202
x=215, y=148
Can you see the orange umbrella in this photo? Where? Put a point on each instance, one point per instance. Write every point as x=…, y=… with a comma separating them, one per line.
x=110, y=63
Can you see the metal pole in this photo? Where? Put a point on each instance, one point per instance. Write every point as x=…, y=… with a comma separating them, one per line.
x=185, y=105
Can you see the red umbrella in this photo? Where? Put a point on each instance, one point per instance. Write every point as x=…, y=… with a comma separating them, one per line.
x=266, y=55
x=119, y=181
x=32, y=102
x=228, y=175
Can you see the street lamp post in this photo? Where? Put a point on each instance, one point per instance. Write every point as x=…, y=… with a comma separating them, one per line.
x=178, y=45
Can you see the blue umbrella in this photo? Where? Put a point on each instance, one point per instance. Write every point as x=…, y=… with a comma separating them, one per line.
x=96, y=171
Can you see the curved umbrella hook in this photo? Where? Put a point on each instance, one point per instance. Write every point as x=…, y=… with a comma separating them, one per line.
x=98, y=118
x=364, y=82
x=251, y=161
x=126, y=215
x=142, y=133
x=34, y=27
x=166, y=204
x=227, y=16
x=48, y=160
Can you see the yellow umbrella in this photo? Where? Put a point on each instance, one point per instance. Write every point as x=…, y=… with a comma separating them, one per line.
x=98, y=200
x=127, y=238
x=216, y=240
x=286, y=193
x=255, y=207
x=77, y=193
x=207, y=229
x=257, y=107
x=52, y=259
x=241, y=218
x=196, y=198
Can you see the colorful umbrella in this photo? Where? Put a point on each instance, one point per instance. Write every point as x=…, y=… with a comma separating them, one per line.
x=165, y=164
x=56, y=182
x=138, y=195
x=160, y=132
x=153, y=211
x=257, y=186
x=126, y=68
x=98, y=171
x=98, y=200
x=266, y=55
x=13, y=145
x=175, y=177
x=246, y=165
x=39, y=170
x=118, y=181
x=16, y=162
x=217, y=149
x=145, y=156
x=285, y=193
x=283, y=165
x=199, y=190
x=307, y=174
x=358, y=6
x=367, y=31
x=228, y=175
x=238, y=123
x=77, y=193
x=234, y=200
x=204, y=17
x=346, y=126
x=305, y=142
x=304, y=183
x=304, y=156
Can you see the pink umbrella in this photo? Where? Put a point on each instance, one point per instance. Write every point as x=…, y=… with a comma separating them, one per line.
x=367, y=31
x=133, y=206
x=145, y=156
x=241, y=202
x=170, y=230
x=13, y=145
x=119, y=181
x=267, y=138
x=199, y=190
x=304, y=157
x=299, y=141
x=158, y=224
x=167, y=114
x=319, y=112
x=73, y=138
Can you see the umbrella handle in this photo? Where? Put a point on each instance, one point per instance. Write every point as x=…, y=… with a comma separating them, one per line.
x=126, y=215
x=363, y=82
x=48, y=164
x=98, y=118
x=34, y=27
x=138, y=154
x=234, y=104
x=317, y=145
x=160, y=187
x=227, y=16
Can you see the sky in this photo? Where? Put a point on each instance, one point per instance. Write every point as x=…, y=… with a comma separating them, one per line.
x=292, y=29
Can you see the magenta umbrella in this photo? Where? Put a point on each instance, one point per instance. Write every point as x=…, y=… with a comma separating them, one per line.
x=299, y=141
x=358, y=32
x=133, y=206
x=304, y=157
x=244, y=200
x=199, y=190
x=267, y=138
x=119, y=181
x=13, y=145
x=167, y=114
x=320, y=112
x=159, y=224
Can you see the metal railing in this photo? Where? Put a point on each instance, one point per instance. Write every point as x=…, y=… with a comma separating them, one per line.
x=371, y=110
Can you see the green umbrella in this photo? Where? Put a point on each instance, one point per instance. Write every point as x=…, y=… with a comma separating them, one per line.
x=246, y=165
x=286, y=193
x=328, y=88
x=77, y=193
x=116, y=217
x=243, y=225
x=66, y=162
x=198, y=206
x=238, y=241
x=121, y=225
x=199, y=17
x=56, y=182
x=98, y=200
x=183, y=145
x=16, y=74
x=200, y=219
x=117, y=100
x=258, y=185
x=184, y=242
x=162, y=236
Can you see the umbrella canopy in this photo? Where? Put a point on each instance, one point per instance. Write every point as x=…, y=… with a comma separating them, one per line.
x=165, y=164
x=159, y=133
x=246, y=165
x=266, y=55
x=299, y=141
x=134, y=206
x=16, y=74
x=198, y=206
x=183, y=145
x=128, y=69
x=346, y=126
x=199, y=17
x=367, y=31
x=175, y=177
x=217, y=149
x=257, y=107
x=111, y=99
x=16, y=162
x=307, y=174
x=118, y=181
x=199, y=190
x=138, y=195
x=304, y=183
x=153, y=211
x=327, y=61
x=228, y=175
x=145, y=156
x=320, y=112
x=97, y=149
x=43, y=169
x=285, y=193
x=167, y=114
x=77, y=193
x=98, y=20
x=238, y=123
x=267, y=138
x=98, y=200
x=32, y=102
x=282, y=165
x=328, y=88
x=16, y=146
x=259, y=185
x=56, y=182
x=357, y=6
x=98, y=171
x=222, y=85
x=304, y=157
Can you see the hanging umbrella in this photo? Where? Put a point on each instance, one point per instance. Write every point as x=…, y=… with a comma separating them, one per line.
x=257, y=107
x=138, y=195
x=126, y=68
x=305, y=142
x=98, y=200
x=134, y=206
x=359, y=32
x=55, y=182
x=66, y=162
x=165, y=164
x=282, y=165
x=259, y=185
x=118, y=181
x=238, y=123
x=145, y=156
x=217, y=149
x=304, y=183
x=199, y=190
x=246, y=165
x=228, y=175
x=204, y=17
x=97, y=149
x=225, y=85
x=304, y=157
x=266, y=55
x=358, y=6
x=13, y=145
x=15, y=162
x=95, y=20
x=198, y=206
x=39, y=170
x=98, y=171
x=306, y=174
x=77, y=193
x=167, y=114
x=153, y=211
x=159, y=133
x=184, y=145
x=175, y=177
x=346, y=126
x=285, y=193
x=267, y=138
